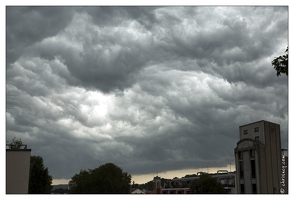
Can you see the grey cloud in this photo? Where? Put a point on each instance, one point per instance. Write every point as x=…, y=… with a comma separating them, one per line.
x=151, y=89
x=179, y=149
x=109, y=66
x=183, y=137
x=114, y=16
x=229, y=41
x=27, y=25
x=114, y=64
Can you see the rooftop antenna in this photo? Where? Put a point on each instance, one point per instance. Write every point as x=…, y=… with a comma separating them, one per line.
x=207, y=170
x=230, y=167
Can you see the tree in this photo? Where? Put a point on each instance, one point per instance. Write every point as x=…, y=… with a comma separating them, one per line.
x=15, y=144
x=60, y=191
x=106, y=179
x=40, y=181
x=207, y=185
x=281, y=64
x=80, y=183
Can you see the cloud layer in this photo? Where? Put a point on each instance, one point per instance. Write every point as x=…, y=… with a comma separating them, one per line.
x=150, y=89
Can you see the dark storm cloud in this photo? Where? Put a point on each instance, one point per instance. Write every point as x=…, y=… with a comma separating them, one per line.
x=111, y=57
x=114, y=44
x=150, y=89
x=28, y=25
x=114, y=16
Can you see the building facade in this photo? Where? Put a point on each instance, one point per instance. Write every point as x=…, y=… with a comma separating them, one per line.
x=137, y=191
x=258, y=158
x=17, y=171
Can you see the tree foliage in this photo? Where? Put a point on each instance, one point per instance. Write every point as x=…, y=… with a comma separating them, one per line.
x=40, y=181
x=60, y=191
x=281, y=64
x=106, y=179
x=15, y=144
x=207, y=185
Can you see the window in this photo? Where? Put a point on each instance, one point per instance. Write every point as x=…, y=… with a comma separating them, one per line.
x=253, y=174
x=254, y=189
x=256, y=129
x=223, y=181
x=252, y=152
x=257, y=139
x=240, y=154
x=242, y=188
x=231, y=181
x=241, y=169
x=245, y=132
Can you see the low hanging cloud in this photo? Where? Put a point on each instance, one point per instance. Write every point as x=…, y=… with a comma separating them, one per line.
x=150, y=89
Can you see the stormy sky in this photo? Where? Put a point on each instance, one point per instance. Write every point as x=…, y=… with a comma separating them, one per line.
x=150, y=89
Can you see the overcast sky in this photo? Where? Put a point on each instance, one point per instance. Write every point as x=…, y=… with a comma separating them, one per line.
x=150, y=89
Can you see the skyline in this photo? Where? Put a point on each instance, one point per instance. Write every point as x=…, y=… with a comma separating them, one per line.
x=150, y=89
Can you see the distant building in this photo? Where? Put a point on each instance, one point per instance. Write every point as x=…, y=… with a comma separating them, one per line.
x=157, y=182
x=157, y=186
x=17, y=171
x=181, y=185
x=258, y=158
x=154, y=191
x=137, y=191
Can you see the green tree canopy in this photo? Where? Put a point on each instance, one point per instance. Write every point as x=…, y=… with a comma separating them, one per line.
x=281, y=64
x=106, y=179
x=40, y=181
x=207, y=185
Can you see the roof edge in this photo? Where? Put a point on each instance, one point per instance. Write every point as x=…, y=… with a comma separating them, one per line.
x=258, y=122
x=18, y=150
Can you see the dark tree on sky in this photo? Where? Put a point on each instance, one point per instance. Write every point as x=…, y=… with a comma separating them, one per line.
x=207, y=185
x=106, y=179
x=80, y=183
x=281, y=64
x=15, y=144
x=40, y=181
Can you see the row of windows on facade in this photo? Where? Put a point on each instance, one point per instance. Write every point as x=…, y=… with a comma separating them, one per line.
x=252, y=164
x=251, y=153
x=256, y=129
x=241, y=167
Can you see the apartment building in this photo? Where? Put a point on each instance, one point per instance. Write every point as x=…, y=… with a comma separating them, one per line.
x=258, y=158
x=17, y=170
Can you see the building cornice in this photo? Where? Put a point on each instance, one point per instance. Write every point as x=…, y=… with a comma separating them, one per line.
x=18, y=150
